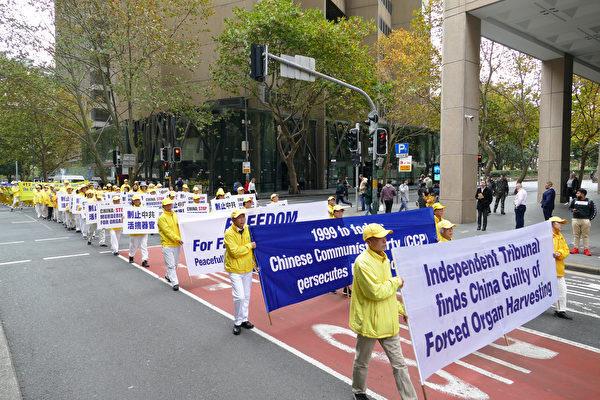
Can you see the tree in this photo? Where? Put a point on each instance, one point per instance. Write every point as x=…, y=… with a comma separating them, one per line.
x=585, y=120
x=288, y=29
x=409, y=77
x=32, y=131
x=139, y=55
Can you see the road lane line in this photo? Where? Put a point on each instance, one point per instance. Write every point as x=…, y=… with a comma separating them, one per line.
x=48, y=239
x=23, y=222
x=263, y=334
x=38, y=221
x=502, y=362
x=15, y=262
x=67, y=256
x=19, y=241
x=559, y=339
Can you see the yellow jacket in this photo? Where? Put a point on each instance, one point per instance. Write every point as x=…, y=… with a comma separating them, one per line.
x=374, y=308
x=330, y=210
x=15, y=190
x=442, y=239
x=437, y=227
x=239, y=256
x=560, y=246
x=168, y=228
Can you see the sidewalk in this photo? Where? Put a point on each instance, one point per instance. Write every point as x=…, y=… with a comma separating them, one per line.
x=533, y=215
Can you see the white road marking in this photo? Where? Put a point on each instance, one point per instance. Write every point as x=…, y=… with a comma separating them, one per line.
x=19, y=241
x=559, y=339
x=66, y=256
x=15, y=262
x=265, y=335
x=23, y=222
x=48, y=239
x=502, y=362
x=40, y=222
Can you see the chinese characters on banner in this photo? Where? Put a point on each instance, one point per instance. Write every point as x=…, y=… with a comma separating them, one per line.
x=140, y=220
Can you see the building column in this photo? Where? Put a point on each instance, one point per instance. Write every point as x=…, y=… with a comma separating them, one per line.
x=459, y=134
x=555, y=125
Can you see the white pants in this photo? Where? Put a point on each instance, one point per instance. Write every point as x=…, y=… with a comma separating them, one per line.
x=240, y=288
x=38, y=210
x=69, y=220
x=92, y=229
x=44, y=211
x=138, y=242
x=17, y=201
x=171, y=255
x=115, y=235
x=561, y=304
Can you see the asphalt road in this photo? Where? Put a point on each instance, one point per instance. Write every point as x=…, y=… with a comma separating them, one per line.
x=93, y=327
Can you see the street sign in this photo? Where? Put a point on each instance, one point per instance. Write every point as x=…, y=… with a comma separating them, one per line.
x=405, y=164
x=401, y=148
x=246, y=167
x=287, y=71
x=128, y=160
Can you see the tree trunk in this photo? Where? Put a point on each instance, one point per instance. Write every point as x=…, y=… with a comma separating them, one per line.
x=524, y=169
x=582, y=162
x=292, y=176
x=598, y=172
x=491, y=157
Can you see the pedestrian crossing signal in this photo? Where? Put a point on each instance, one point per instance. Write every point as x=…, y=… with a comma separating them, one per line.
x=176, y=154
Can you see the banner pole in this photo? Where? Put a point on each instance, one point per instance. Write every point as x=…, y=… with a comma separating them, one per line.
x=506, y=340
x=423, y=389
x=270, y=322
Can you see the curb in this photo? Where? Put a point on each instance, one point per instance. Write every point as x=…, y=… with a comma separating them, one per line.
x=582, y=268
x=9, y=387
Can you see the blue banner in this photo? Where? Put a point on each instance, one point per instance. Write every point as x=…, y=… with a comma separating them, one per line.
x=303, y=260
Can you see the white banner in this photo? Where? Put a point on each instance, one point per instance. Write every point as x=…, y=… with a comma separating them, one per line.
x=140, y=220
x=232, y=202
x=152, y=200
x=200, y=208
x=64, y=201
x=76, y=204
x=202, y=236
x=463, y=295
x=110, y=216
x=90, y=213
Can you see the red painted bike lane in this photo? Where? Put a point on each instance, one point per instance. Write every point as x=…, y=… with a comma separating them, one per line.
x=530, y=367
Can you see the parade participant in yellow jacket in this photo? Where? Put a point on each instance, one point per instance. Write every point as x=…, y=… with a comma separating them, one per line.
x=561, y=251
x=438, y=216
x=220, y=194
x=274, y=198
x=16, y=193
x=248, y=202
x=115, y=233
x=429, y=199
x=37, y=201
x=330, y=206
x=125, y=183
x=239, y=262
x=170, y=240
x=446, y=230
x=139, y=240
x=374, y=311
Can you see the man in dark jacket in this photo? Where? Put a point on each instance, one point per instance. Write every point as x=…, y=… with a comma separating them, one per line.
x=484, y=199
x=501, y=193
x=340, y=193
x=584, y=211
x=548, y=201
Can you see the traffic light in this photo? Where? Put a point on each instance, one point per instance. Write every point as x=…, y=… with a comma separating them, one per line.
x=258, y=64
x=352, y=138
x=381, y=145
x=176, y=154
x=164, y=154
x=116, y=156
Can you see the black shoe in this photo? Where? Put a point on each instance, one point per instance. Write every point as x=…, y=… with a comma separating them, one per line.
x=89, y=242
x=247, y=325
x=478, y=228
x=130, y=260
x=347, y=291
x=103, y=245
x=360, y=396
x=562, y=314
x=175, y=287
x=237, y=329
x=483, y=229
x=145, y=264
x=503, y=213
x=167, y=279
x=116, y=253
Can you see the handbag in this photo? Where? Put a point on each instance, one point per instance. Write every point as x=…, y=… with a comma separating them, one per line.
x=381, y=207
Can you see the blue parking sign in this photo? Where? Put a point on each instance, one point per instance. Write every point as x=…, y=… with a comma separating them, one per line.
x=401, y=148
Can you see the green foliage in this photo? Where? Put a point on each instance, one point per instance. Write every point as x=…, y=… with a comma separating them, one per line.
x=33, y=131
x=585, y=122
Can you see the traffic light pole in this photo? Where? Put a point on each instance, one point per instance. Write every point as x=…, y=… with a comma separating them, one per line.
x=373, y=115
